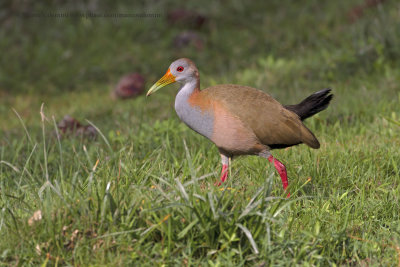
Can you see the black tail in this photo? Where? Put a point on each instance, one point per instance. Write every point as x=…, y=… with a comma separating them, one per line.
x=312, y=105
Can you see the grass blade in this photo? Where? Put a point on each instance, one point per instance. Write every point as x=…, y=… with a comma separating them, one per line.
x=249, y=237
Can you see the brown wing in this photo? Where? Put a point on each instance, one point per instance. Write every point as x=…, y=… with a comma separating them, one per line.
x=273, y=125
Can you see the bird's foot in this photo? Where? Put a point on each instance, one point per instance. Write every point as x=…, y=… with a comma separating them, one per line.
x=282, y=172
x=217, y=183
x=224, y=175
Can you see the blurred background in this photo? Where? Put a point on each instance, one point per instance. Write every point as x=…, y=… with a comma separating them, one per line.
x=110, y=192
x=73, y=64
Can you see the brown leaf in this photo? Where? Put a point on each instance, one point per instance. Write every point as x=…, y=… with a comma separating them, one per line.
x=188, y=38
x=37, y=216
x=129, y=86
x=186, y=18
x=71, y=126
x=38, y=250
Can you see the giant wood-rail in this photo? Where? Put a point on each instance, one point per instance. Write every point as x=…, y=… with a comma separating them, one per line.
x=241, y=120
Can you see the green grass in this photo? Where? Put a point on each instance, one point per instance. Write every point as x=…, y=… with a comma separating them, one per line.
x=143, y=194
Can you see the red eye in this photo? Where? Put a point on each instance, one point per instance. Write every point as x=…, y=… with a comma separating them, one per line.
x=180, y=69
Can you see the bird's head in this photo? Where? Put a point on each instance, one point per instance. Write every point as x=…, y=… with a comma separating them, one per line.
x=182, y=70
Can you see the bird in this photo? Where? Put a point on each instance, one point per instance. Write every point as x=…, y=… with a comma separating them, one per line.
x=241, y=120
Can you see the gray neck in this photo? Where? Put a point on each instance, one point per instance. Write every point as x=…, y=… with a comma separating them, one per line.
x=187, y=90
x=195, y=118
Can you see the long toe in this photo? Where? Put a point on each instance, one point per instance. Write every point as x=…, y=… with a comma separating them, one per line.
x=217, y=183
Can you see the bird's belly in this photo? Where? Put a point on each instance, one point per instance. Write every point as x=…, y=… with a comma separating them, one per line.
x=232, y=135
x=219, y=125
x=198, y=120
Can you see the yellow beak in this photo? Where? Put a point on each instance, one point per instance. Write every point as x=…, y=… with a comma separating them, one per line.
x=168, y=78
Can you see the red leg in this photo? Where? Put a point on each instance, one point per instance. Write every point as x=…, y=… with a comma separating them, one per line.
x=224, y=172
x=224, y=175
x=281, y=170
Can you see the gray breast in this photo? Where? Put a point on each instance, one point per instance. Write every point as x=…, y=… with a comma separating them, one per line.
x=198, y=120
